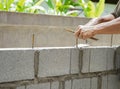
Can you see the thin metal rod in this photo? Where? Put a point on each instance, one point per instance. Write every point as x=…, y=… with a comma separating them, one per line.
x=33, y=39
x=74, y=32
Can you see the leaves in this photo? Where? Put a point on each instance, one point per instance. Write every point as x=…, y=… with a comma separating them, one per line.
x=90, y=9
x=29, y=6
x=50, y=3
x=1, y=5
x=36, y=7
x=20, y=6
x=5, y=4
x=99, y=8
x=57, y=7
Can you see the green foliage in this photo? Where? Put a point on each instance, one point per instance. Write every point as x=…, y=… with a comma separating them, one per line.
x=100, y=7
x=55, y=7
x=5, y=4
x=90, y=9
x=60, y=7
x=29, y=6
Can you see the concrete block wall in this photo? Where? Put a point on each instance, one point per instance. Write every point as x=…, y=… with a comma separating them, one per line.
x=23, y=30
x=60, y=68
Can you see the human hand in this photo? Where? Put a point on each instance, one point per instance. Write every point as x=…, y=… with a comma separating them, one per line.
x=84, y=32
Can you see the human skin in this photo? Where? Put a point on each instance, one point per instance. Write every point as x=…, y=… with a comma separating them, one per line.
x=103, y=25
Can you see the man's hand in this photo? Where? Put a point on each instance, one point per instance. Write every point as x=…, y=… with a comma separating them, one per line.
x=84, y=32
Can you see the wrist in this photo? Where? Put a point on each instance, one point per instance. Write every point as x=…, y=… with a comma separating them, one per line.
x=95, y=31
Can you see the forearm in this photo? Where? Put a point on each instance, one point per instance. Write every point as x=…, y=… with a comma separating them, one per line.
x=111, y=27
x=99, y=20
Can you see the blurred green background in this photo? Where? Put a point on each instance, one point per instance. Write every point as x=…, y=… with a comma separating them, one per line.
x=85, y=8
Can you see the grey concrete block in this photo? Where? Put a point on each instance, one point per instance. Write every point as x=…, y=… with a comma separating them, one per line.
x=80, y=21
x=86, y=60
x=110, y=82
x=81, y=84
x=104, y=82
x=16, y=64
x=56, y=21
x=68, y=21
x=117, y=58
x=15, y=37
x=54, y=62
x=116, y=39
x=4, y=88
x=104, y=40
x=27, y=19
x=94, y=82
x=12, y=36
x=54, y=85
x=75, y=57
x=40, y=19
x=3, y=17
x=101, y=59
x=22, y=87
x=98, y=59
x=54, y=38
x=39, y=86
x=86, y=83
x=68, y=84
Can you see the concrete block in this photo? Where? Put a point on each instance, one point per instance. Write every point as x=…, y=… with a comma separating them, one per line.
x=68, y=21
x=98, y=59
x=3, y=17
x=79, y=21
x=27, y=19
x=54, y=85
x=23, y=36
x=1, y=39
x=16, y=64
x=54, y=38
x=101, y=59
x=86, y=83
x=40, y=19
x=116, y=39
x=81, y=84
x=4, y=88
x=15, y=37
x=86, y=60
x=75, y=57
x=52, y=20
x=104, y=82
x=56, y=20
x=117, y=58
x=68, y=84
x=104, y=40
x=110, y=82
x=22, y=87
x=94, y=82
x=39, y=86
x=54, y=62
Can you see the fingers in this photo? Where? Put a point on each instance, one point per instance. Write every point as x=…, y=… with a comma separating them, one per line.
x=84, y=32
x=78, y=32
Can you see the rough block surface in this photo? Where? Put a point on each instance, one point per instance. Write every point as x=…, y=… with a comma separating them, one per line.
x=98, y=59
x=39, y=86
x=110, y=82
x=16, y=65
x=75, y=57
x=68, y=84
x=85, y=83
x=22, y=87
x=54, y=62
x=117, y=58
x=54, y=85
